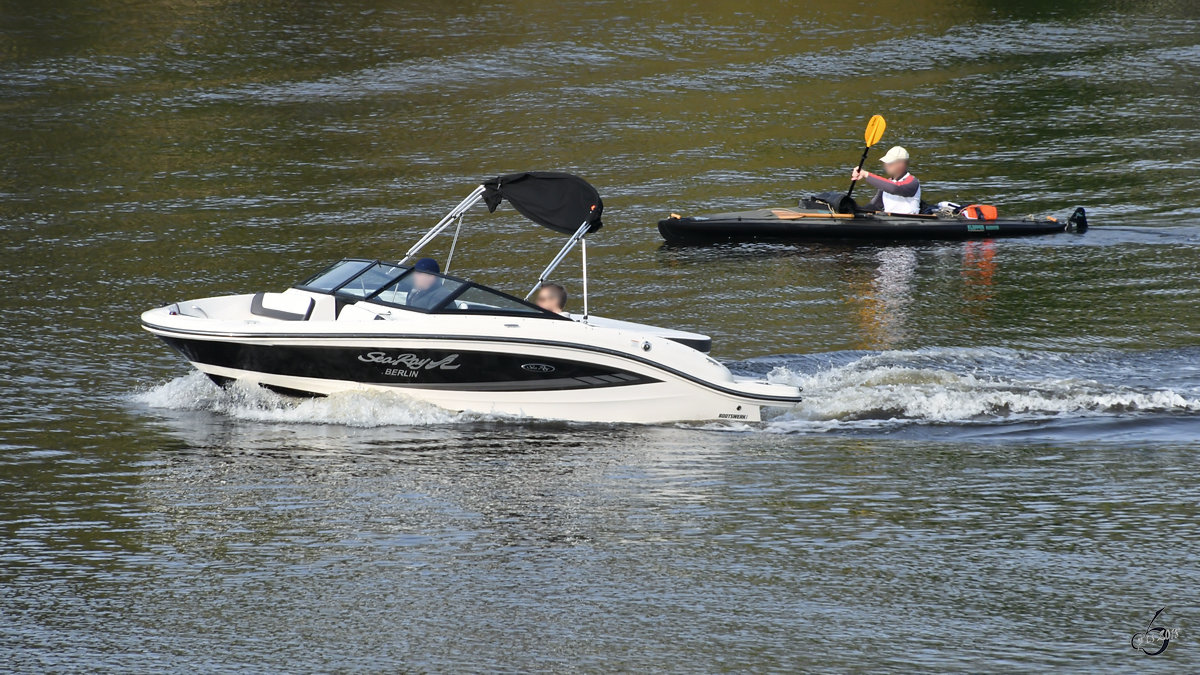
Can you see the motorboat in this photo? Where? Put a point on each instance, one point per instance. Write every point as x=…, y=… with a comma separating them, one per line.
x=357, y=325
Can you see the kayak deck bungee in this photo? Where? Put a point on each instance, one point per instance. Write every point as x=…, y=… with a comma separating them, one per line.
x=800, y=224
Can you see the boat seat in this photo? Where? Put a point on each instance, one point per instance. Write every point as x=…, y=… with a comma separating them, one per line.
x=281, y=306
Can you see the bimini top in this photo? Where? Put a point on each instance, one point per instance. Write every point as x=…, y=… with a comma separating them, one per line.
x=559, y=201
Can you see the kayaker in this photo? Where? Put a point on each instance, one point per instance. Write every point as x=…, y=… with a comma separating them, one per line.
x=899, y=192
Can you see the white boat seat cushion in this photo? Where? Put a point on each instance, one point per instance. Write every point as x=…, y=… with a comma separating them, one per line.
x=282, y=306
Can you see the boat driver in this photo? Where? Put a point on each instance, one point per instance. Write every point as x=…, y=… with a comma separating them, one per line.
x=899, y=192
x=427, y=289
x=552, y=298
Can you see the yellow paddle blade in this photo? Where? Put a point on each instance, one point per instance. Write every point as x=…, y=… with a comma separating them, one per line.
x=875, y=129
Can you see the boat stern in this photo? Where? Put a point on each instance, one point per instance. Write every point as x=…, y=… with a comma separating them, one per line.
x=751, y=395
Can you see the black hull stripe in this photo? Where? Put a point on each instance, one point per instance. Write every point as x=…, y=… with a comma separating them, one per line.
x=475, y=338
x=560, y=384
x=426, y=367
x=557, y=384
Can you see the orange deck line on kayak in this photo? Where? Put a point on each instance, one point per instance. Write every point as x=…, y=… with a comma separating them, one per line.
x=787, y=214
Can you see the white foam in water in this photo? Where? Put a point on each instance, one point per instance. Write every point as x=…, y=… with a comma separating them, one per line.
x=891, y=388
x=250, y=402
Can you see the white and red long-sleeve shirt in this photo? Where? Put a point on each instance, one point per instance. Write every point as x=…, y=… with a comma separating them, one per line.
x=895, y=196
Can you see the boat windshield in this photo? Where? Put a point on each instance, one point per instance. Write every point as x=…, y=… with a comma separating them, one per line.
x=371, y=280
x=335, y=275
x=403, y=287
x=428, y=292
x=359, y=278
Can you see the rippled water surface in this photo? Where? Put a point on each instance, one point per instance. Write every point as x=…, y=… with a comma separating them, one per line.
x=994, y=468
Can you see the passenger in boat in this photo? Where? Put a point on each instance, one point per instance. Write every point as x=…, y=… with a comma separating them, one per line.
x=427, y=289
x=552, y=298
x=899, y=192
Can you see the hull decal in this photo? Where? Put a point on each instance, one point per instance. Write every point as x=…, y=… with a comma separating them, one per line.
x=459, y=370
x=170, y=335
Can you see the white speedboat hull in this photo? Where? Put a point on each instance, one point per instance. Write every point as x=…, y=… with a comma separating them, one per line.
x=566, y=370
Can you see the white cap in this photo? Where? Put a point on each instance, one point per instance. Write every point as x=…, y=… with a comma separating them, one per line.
x=896, y=154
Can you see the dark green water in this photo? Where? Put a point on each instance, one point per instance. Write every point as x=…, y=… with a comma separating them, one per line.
x=994, y=469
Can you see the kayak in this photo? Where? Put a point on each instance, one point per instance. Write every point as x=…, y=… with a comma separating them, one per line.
x=803, y=224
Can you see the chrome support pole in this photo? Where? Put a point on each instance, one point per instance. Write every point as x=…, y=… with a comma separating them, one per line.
x=583, y=249
x=450, y=258
x=575, y=238
x=456, y=212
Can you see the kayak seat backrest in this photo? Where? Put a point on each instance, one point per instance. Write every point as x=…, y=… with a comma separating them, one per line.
x=834, y=201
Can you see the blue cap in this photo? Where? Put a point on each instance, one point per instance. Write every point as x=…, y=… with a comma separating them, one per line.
x=427, y=265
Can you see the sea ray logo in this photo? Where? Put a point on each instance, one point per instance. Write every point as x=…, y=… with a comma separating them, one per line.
x=411, y=361
x=538, y=367
x=1154, y=640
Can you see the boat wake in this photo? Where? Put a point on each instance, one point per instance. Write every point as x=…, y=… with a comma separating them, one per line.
x=970, y=386
x=195, y=392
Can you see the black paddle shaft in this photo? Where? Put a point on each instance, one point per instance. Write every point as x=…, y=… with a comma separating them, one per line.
x=860, y=165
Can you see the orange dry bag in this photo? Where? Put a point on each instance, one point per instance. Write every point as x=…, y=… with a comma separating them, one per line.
x=979, y=212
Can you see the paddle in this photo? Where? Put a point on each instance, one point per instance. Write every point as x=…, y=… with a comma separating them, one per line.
x=874, y=132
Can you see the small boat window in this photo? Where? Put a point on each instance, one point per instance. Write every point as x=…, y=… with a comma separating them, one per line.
x=486, y=301
x=374, y=278
x=396, y=292
x=423, y=291
x=336, y=274
x=427, y=292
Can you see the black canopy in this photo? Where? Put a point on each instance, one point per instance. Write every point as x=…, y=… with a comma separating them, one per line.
x=559, y=201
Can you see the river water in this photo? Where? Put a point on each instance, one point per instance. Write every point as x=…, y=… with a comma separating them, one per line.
x=995, y=468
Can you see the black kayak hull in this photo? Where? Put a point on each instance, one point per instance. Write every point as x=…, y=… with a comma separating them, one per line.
x=790, y=225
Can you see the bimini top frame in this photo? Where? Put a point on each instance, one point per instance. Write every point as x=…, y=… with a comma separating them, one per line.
x=560, y=201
